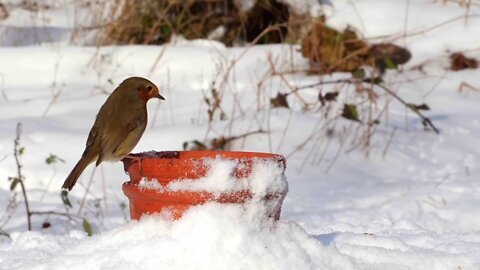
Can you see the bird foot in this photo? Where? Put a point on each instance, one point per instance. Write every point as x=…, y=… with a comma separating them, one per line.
x=129, y=159
x=134, y=157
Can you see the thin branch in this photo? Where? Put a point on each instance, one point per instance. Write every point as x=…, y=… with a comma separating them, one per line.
x=425, y=120
x=68, y=215
x=296, y=89
x=4, y=94
x=439, y=25
x=157, y=60
x=4, y=233
x=20, y=177
x=389, y=142
x=87, y=190
x=9, y=210
x=244, y=135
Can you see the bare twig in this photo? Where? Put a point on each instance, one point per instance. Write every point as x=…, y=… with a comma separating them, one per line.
x=2, y=159
x=405, y=22
x=4, y=233
x=157, y=60
x=9, y=210
x=56, y=87
x=68, y=215
x=433, y=27
x=104, y=188
x=425, y=120
x=389, y=142
x=296, y=89
x=4, y=94
x=87, y=190
x=465, y=85
x=17, y=152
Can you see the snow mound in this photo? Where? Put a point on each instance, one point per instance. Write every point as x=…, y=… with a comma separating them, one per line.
x=211, y=237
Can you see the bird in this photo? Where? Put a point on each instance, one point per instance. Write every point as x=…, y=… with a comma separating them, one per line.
x=118, y=126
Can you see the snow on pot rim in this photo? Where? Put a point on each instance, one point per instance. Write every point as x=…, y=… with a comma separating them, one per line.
x=176, y=165
x=177, y=180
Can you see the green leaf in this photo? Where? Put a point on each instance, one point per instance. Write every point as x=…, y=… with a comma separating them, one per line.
x=350, y=112
x=87, y=227
x=359, y=74
x=53, y=159
x=165, y=30
x=65, y=200
x=389, y=64
x=21, y=151
x=14, y=183
x=421, y=107
x=280, y=101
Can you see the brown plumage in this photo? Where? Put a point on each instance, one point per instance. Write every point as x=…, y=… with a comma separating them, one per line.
x=118, y=127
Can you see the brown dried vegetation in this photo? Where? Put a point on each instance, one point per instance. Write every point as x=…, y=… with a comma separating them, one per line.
x=332, y=51
x=458, y=61
x=154, y=21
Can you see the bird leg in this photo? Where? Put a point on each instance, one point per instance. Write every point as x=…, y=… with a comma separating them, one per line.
x=130, y=157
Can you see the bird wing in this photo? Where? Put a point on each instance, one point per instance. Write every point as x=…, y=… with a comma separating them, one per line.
x=136, y=131
x=91, y=149
x=91, y=136
x=120, y=137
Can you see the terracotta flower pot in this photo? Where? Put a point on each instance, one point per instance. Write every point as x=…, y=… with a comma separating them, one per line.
x=166, y=167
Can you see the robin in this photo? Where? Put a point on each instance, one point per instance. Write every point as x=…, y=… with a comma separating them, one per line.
x=118, y=127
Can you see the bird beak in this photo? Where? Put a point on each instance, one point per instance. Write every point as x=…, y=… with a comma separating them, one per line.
x=159, y=96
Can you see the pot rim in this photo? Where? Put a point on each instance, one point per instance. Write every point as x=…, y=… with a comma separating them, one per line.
x=201, y=154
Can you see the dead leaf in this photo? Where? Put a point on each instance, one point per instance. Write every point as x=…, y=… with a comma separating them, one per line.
x=389, y=56
x=280, y=101
x=458, y=61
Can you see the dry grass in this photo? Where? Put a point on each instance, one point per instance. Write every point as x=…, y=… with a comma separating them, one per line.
x=332, y=51
x=155, y=22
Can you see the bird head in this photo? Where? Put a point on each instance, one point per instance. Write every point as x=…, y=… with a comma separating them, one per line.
x=147, y=91
x=143, y=88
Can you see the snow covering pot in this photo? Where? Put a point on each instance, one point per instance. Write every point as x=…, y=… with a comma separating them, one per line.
x=164, y=168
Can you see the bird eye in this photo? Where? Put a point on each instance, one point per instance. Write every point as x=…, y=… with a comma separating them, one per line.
x=149, y=88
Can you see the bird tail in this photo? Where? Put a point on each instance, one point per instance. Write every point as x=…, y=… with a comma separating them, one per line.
x=76, y=172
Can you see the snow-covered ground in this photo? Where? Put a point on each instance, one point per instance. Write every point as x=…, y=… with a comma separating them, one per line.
x=411, y=204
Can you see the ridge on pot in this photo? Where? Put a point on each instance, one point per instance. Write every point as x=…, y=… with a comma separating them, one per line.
x=258, y=176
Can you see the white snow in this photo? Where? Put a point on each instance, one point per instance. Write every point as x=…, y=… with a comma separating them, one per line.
x=411, y=204
x=209, y=237
x=267, y=177
x=219, y=178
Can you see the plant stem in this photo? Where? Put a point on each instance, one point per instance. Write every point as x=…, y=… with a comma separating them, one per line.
x=426, y=120
x=66, y=214
x=20, y=177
